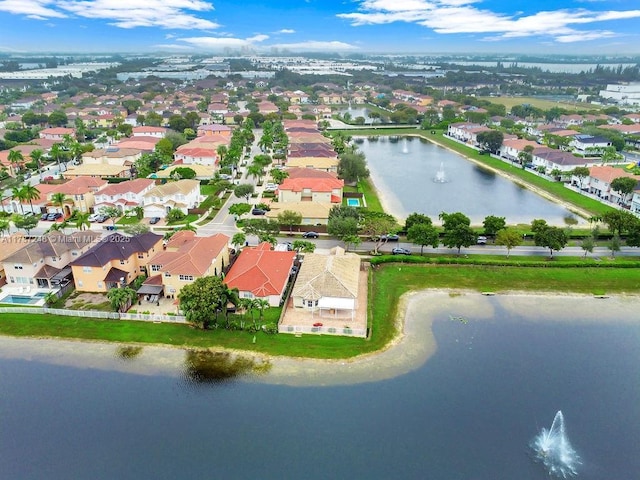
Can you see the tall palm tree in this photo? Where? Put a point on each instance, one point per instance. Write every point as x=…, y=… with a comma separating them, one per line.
x=227, y=296
x=58, y=200
x=82, y=220
x=36, y=157
x=56, y=153
x=30, y=193
x=18, y=194
x=15, y=158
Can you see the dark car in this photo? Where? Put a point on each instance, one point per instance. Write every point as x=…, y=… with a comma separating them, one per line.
x=401, y=251
x=154, y=220
x=44, y=216
x=101, y=218
x=51, y=216
x=258, y=211
x=310, y=235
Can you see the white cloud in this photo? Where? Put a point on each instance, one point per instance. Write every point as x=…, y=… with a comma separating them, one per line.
x=286, y=30
x=258, y=38
x=463, y=16
x=36, y=9
x=332, y=46
x=170, y=46
x=217, y=43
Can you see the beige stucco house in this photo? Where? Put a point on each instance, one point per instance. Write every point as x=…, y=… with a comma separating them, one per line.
x=181, y=194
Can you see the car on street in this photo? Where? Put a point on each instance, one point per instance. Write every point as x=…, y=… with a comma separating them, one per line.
x=44, y=216
x=400, y=251
x=101, y=218
x=310, y=235
x=390, y=237
x=258, y=211
x=482, y=240
x=154, y=220
x=54, y=216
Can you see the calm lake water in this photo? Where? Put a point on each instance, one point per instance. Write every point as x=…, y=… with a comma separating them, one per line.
x=468, y=413
x=405, y=171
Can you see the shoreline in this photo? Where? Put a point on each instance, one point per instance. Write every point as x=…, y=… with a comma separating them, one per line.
x=412, y=346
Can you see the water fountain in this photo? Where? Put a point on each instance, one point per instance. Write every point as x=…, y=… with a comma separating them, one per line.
x=405, y=147
x=440, y=175
x=552, y=448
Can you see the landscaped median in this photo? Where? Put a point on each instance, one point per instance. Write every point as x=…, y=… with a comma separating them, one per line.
x=388, y=282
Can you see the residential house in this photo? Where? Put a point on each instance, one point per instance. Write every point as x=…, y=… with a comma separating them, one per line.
x=313, y=213
x=79, y=194
x=112, y=156
x=115, y=261
x=44, y=263
x=146, y=144
x=215, y=129
x=599, y=183
x=187, y=257
x=57, y=133
x=196, y=155
x=328, y=285
x=147, y=131
x=589, y=145
x=98, y=170
x=181, y=194
x=261, y=273
x=310, y=185
x=203, y=172
x=8, y=246
x=124, y=196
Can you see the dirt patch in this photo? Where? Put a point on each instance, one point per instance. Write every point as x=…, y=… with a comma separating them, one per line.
x=87, y=301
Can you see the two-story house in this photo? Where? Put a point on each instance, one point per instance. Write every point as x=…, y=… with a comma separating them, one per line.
x=187, y=257
x=78, y=195
x=149, y=131
x=43, y=263
x=181, y=194
x=57, y=133
x=124, y=195
x=115, y=261
x=310, y=185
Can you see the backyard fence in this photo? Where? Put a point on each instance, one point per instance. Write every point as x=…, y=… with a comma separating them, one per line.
x=144, y=317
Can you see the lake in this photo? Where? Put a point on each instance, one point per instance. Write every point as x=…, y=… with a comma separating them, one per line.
x=406, y=173
x=500, y=372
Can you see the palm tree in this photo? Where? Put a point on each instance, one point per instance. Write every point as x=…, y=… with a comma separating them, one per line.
x=82, y=220
x=58, y=200
x=56, y=153
x=4, y=226
x=189, y=227
x=30, y=193
x=121, y=298
x=227, y=296
x=15, y=158
x=36, y=156
x=261, y=304
x=18, y=194
x=255, y=170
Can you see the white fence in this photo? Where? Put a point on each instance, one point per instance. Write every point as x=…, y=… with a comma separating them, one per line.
x=300, y=329
x=144, y=317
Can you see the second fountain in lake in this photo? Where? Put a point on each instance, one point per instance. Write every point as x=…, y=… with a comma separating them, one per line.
x=552, y=448
x=440, y=175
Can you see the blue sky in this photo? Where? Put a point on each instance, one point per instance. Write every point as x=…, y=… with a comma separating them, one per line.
x=384, y=26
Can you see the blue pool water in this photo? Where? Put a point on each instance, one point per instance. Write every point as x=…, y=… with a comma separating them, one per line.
x=353, y=202
x=23, y=299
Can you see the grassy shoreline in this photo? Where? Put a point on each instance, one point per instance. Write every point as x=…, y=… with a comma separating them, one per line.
x=388, y=283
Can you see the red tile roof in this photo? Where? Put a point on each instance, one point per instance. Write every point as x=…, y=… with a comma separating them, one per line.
x=261, y=271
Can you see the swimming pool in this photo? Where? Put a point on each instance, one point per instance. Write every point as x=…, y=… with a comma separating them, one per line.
x=23, y=299
x=353, y=202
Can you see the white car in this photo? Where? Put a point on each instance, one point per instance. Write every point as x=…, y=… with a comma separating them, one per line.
x=93, y=217
x=270, y=187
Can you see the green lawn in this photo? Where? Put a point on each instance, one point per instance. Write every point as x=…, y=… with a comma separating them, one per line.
x=370, y=195
x=388, y=283
x=542, y=103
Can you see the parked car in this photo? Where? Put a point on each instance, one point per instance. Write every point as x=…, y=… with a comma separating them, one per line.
x=154, y=220
x=93, y=217
x=401, y=251
x=101, y=218
x=270, y=187
x=44, y=216
x=310, y=235
x=482, y=240
x=390, y=237
x=258, y=211
x=51, y=217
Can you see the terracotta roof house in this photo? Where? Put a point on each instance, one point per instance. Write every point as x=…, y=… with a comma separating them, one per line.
x=79, y=194
x=124, y=195
x=599, y=182
x=57, y=133
x=98, y=170
x=43, y=263
x=326, y=164
x=195, y=154
x=313, y=213
x=146, y=131
x=112, y=156
x=260, y=272
x=146, y=144
x=181, y=194
x=215, y=129
x=328, y=284
x=309, y=185
x=115, y=261
x=203, y=172
x=8, y=246
x=188, y=257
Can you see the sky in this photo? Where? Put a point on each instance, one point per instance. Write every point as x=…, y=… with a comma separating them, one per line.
x=580, y=27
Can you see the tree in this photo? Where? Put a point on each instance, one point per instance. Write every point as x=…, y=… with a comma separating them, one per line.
x=175, y=215
x=18, y=194
x=183, y=172
x=423, y=233
x=352, y=167
x=110, y=212
x=490, y=140
x=375, y=225
x=228, y=296
x=26, y=222
x=261, y=305
x=36, y=157
x=493, y=224
x=56, y=153
x=457, y=230
x=633, y=237
x=351, y=240
x=342, y=226
x=136, y=229
x=82, y=220
x=58, y=118
x=553, y=238
x=614, y=245
x=624, y=186
x=239, y=209
x=58, y=199
x=581, y=173
x=525, y=156
x=201, y=300
x=255, y=170
x=290, y=218
x=238, y=240
x=264, y=229
x=121, y=299
x=508, y=238
x=244, y=190
x=16, y=159
x=30, y=193
x=278, y=175
x=5, y=226
x=303, y=246
x=414, y=218
x=588, y=244
x=618, y=221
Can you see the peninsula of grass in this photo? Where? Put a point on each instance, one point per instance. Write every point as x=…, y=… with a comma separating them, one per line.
x=388, y=283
